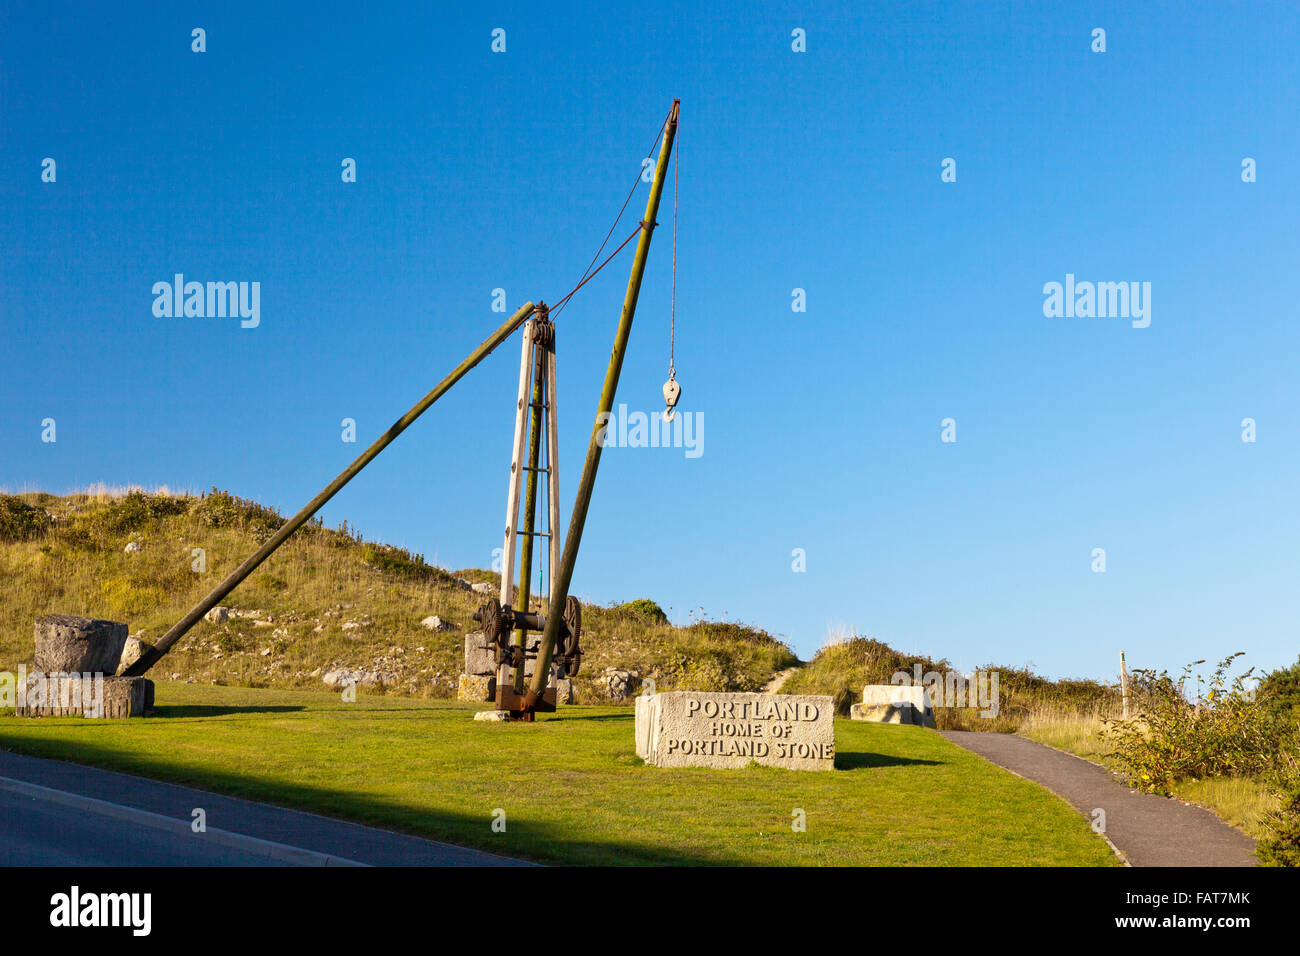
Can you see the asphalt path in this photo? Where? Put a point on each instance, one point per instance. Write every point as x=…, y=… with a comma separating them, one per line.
x=1148, y=830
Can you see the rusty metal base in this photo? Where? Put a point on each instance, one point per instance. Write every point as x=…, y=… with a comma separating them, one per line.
x=509, y=699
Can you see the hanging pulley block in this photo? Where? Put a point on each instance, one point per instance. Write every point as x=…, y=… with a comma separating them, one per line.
x=672, y=392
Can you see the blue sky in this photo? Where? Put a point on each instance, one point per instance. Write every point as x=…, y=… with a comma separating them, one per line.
x=817, y=170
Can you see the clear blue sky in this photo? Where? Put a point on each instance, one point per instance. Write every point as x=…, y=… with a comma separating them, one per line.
x=817, y=170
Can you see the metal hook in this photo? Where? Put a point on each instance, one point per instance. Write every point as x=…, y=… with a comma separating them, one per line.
x=672, y=392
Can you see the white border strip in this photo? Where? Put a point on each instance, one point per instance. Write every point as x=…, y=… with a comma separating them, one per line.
x=279, y=852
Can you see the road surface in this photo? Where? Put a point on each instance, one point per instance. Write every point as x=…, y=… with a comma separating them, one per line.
x=62, y=814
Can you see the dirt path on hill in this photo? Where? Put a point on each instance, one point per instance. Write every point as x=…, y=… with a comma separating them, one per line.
x=1147, y=830
x=777, y=682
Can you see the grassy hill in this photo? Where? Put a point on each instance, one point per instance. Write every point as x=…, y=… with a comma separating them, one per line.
x=326, y=599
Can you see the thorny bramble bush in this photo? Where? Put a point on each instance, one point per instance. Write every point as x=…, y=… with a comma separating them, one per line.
x=1282, y=846
x=1228, y=734
x=1171, y=739
x=1280, y=693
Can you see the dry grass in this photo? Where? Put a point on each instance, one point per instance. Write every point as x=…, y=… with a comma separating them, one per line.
x=1078, y=733
x=1242, y=801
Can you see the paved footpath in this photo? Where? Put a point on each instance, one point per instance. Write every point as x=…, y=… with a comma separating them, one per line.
x=66, y=814
x=1148, y=830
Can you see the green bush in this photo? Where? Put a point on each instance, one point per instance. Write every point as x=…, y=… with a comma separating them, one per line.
x=19, y=521
x=134, y=512
x=705, y=673
x=1171, y=740
x=1282, y=846
x=732, y=632
x=221, y=509
x=643, y=609
x=401, y=563
x=106, y=525
x=1279, y=692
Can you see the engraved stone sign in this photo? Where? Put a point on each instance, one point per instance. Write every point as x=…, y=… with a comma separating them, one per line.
x=708, y=729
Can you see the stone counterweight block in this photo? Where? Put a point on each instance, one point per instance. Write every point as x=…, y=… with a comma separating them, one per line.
x=69, y=695
x=480, y=657
x=78, y=645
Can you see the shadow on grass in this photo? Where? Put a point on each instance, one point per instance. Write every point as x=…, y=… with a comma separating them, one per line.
x=527, y=840
x=551, y=718
x=207, y=710
x=858, y=760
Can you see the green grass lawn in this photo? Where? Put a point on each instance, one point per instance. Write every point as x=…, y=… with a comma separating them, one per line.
x=572, y=787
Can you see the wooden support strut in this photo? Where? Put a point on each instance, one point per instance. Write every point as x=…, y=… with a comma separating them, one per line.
x=516, y=484
x=178, y=630
x=543, y=342
x=578, y=518
x=553, y=472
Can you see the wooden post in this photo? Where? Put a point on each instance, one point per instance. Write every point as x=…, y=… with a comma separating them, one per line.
x=1123, y=682
x=541, y=345
x=516, y=483
x=553, y=475
x=578, y=517
x=516, y=470
x=178, y=630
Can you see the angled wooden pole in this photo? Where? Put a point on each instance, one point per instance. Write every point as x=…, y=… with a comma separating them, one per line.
x=152, y=655
x=578, y=517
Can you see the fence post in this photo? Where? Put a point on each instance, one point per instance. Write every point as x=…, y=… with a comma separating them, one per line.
x=1123, y=681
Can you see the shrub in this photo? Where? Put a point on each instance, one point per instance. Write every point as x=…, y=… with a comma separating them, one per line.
x=643, y=609
x=401, y=563
x=134, y=512
x=1279, y=692
x=1281, y=847
x=705, y=673
x=221, y=509
x=20, y=521
x=1171, y=740
x=732, y=632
